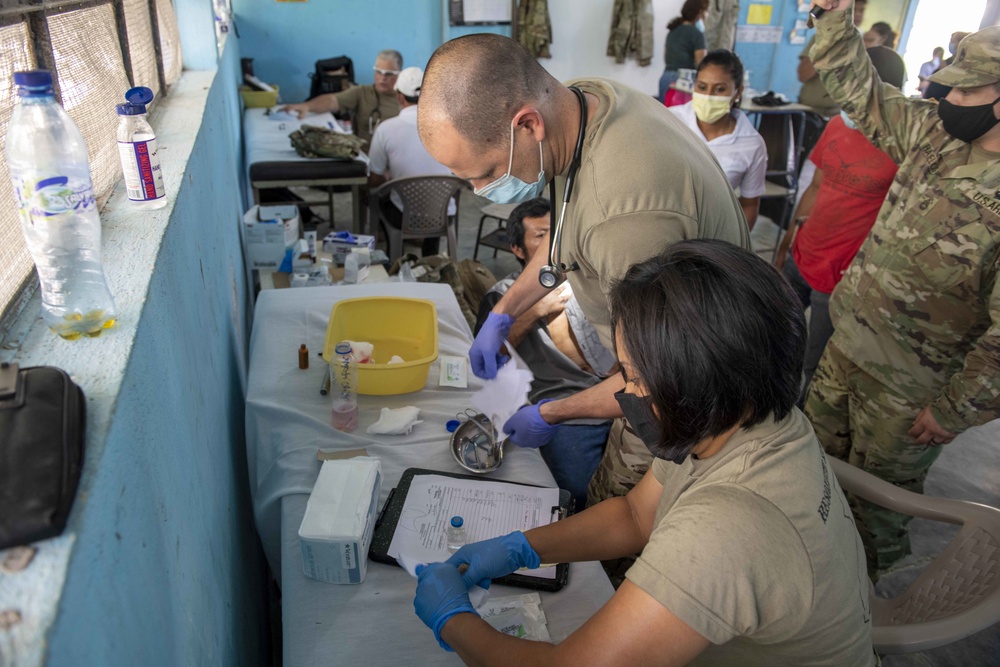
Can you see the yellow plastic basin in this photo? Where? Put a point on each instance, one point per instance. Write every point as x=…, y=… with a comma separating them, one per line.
x=407, y=328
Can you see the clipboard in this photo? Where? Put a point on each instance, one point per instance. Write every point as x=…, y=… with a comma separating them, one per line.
x=385, y=528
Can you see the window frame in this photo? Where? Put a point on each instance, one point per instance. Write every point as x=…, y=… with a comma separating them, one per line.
x=35, y=15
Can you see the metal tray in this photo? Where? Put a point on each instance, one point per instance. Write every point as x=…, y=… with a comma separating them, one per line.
x=470, y=445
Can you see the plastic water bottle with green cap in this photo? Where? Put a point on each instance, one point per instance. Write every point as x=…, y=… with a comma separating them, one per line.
x=50, y=172
x=137, y=148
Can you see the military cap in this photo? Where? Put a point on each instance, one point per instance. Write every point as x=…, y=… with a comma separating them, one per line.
x=977, y=61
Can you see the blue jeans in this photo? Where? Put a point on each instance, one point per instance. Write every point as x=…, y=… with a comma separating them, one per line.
x=667, y=78
x=573, y=456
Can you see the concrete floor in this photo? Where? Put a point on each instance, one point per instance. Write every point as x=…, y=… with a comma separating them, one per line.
x=967, y=469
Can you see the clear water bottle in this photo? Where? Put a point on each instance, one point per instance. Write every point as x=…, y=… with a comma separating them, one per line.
x=344, y=387
x=456, y=534
x=137, y=149
x=51, y=175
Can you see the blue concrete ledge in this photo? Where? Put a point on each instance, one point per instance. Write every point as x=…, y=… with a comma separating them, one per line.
x=160, y=564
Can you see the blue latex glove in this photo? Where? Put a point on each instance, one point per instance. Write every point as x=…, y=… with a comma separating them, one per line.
x=441, y=593
x=527, y=427
x=491, y=559
x=485, y=353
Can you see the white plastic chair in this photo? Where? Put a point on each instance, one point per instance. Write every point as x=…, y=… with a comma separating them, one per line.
x=958, y=594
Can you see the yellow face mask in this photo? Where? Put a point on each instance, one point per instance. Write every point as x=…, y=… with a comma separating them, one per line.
x=711, y=108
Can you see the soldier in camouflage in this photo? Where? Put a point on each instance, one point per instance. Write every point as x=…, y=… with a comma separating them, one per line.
x=915, y=357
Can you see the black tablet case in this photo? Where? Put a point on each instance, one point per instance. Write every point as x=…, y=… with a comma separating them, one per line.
x=385, y=528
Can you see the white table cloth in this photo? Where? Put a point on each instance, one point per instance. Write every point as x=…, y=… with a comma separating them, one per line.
x=267, y=139
x=288, y=421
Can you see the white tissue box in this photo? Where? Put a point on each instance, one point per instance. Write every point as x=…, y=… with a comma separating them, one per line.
x=340, y=249
x=269, y=231
x=336, y=530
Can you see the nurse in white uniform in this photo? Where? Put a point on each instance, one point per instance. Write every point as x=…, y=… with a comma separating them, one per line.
x=714, y=115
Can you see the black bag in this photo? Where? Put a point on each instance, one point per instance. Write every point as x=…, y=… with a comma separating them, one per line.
x=332, y=76
x=42, y=416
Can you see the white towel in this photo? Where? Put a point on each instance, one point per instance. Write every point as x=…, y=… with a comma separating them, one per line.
x=396, y=422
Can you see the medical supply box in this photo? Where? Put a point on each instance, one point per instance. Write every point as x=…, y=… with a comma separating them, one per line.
x=336, y=530
x=270, y=231
x=340, y=244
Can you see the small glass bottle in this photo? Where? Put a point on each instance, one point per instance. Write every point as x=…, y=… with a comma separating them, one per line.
x=456, y=534
x=137, y=149
x=344, y=387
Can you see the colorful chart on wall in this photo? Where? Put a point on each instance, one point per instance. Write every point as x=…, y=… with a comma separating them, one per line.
x=759, y=14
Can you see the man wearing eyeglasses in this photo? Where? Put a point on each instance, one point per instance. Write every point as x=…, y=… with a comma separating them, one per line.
x=369, y=105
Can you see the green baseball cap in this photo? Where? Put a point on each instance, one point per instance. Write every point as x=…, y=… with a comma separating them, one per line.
x=977, y=61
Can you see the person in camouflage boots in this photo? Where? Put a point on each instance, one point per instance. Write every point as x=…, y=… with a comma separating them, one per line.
x=915, y=356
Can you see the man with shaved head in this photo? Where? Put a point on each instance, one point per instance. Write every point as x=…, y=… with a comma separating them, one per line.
x=494, y=116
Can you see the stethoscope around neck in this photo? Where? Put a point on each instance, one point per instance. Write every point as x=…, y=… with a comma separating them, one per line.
x=550, y=274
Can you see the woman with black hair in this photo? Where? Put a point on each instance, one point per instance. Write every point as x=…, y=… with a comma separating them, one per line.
x=880, y=34
x=685, y=45
x=714, y=115
x=750, y=555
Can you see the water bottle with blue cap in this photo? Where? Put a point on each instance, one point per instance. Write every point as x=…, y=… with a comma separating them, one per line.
x=137, y=148
x=50, y=171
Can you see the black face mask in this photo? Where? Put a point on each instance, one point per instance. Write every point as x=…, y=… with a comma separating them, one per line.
x=967, y=123
x=638, y=410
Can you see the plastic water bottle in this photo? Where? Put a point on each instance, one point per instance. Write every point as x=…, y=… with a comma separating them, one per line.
x=51, y=175
x=456, y=534
x=137, y=149
x=344, y=387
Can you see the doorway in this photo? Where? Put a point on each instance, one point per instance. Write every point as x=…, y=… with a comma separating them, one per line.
x=933, y=23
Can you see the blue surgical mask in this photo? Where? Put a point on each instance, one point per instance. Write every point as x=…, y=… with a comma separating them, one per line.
x=700, y=25
x=847, y=121
x=509, y=189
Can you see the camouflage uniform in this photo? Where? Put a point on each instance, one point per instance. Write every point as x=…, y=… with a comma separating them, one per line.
x=534, y=29
x=720, y=24
x=632, y=31
x=917, y=314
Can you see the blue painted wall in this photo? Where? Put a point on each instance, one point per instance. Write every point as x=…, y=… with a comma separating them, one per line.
x=285, y=39
x=167, y=569
x=773, y=66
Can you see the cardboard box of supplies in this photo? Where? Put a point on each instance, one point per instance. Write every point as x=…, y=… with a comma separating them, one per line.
x=336, y=530
x=340, y=244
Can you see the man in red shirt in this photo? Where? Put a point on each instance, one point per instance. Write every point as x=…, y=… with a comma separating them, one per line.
x=837, y=211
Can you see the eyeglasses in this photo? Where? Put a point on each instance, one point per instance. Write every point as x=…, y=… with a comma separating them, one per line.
x=386, y=72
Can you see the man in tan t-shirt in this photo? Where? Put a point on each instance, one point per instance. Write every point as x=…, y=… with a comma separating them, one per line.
x=369, y=105
x=493, y=115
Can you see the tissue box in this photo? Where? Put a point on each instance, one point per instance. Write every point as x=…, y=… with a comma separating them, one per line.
x=336, y=530
x=266, y=240
x=340, y=249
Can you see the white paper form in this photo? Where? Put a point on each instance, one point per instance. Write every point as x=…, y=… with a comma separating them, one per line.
x=488, y=509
